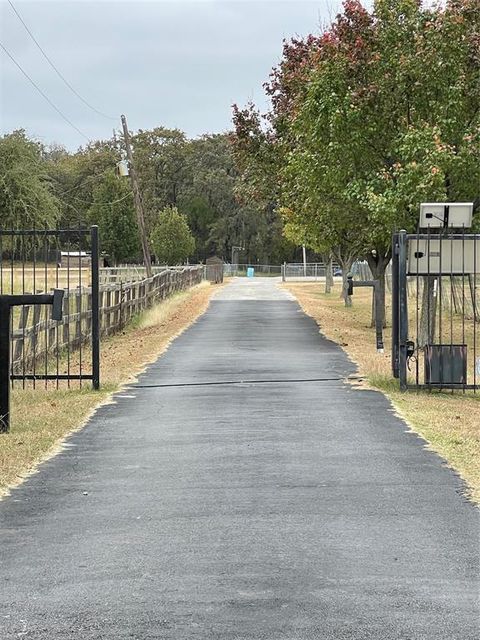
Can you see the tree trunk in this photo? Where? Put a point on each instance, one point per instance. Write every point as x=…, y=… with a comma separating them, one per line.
x=328, y=275
x=428, y=314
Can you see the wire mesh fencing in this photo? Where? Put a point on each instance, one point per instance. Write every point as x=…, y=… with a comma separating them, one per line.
x=96, y=302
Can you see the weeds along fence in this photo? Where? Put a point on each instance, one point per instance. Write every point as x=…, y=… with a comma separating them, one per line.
x=121, y=301
x=35, y=336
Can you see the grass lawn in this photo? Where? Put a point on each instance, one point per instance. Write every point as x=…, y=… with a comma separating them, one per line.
x=450, y=422
x=41, y=417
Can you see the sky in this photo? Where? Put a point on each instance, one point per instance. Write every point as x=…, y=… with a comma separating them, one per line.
x=174, y=63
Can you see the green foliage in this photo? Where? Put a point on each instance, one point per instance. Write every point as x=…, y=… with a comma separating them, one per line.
x=197, y=176
x=373, y=116
x=26, y=197
x=171, y=237
x=112, y=209
x=75, y=176
x=389, y=118
x=161, y=161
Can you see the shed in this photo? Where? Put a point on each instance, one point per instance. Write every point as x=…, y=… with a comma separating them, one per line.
x=214, y=270
x=75, y=259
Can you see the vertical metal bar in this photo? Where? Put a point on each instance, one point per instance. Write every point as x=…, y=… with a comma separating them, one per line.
x=417, y=315
x=57, y=350
x=429, y=283
x=463, y=293
x=45, y=288
x=475, y=313
x=378, y=316
x=403, y=308
x=95, y=309
x=34, y=286
x=452, y=303
x=439, y=305
x=12, y=291
x=4, y=366
x=68, y=304
x=79, y=305
x=395, y=305
x=23, y=312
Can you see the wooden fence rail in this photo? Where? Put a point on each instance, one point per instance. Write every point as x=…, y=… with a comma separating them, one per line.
x=34, y=335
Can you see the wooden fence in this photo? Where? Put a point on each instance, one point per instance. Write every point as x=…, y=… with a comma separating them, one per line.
x=34, y=335
x=133, y=272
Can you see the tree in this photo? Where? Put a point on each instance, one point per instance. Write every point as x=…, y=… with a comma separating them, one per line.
x=208, y=194
x=172, y=239
x=112, y=209
x=75, y=176
x=379, y=131
x=375, y=115
x=26, y=196
x=161, y=156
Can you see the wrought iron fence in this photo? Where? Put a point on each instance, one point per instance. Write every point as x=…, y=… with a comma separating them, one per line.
x=44, y=350
x=436, y=310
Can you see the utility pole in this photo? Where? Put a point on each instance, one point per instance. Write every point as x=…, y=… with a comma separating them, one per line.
x=138, y=199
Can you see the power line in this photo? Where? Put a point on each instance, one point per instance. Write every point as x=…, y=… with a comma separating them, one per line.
x=102, y=204
x=52, y=104
x=59, y=74
x=78, y=186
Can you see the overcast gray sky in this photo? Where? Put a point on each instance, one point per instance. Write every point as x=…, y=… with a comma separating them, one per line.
x=173, y=62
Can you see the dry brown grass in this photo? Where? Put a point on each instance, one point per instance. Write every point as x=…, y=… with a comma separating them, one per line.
x=449, y=422
x=41, y=418
x=29, y=279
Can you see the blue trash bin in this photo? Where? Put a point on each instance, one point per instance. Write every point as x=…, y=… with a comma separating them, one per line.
x=250, y=272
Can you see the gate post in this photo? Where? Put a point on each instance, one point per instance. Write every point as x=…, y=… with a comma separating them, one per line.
x=395, y=306
x=403, y=309
x=4, y=366
x=95, y=309
x=6, y=304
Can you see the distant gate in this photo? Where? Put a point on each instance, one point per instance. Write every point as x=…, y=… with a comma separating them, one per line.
x=436, y=310
x=43, y=349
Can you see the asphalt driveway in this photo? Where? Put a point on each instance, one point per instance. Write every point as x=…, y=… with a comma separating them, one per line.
x=242, y=490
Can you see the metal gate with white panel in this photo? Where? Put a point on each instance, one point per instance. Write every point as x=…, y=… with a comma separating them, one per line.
x=435, y=301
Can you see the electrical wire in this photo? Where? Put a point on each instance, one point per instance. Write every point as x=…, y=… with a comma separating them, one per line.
x=104, y=204
x=44, y=95
x=57, y=71
x=88, y=178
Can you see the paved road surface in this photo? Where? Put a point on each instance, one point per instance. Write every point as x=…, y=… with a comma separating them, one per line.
x=242, y=491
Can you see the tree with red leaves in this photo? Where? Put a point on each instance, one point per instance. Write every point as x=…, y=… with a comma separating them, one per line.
x=373, y=116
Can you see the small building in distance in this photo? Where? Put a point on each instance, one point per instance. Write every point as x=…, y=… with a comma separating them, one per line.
x=74, y=259
x=214, y=270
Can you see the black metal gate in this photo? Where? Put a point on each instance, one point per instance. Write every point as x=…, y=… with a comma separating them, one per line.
x=436, y=310
x=43, y=350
